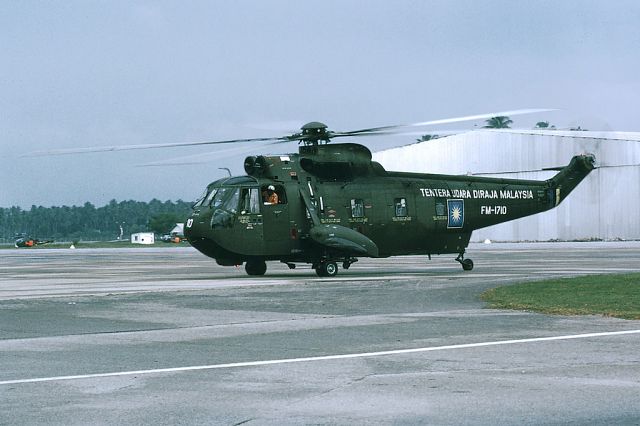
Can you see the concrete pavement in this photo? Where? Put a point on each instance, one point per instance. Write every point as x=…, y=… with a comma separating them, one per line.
x=311, y=341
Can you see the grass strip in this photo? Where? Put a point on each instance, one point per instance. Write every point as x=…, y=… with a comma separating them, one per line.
x=609, y=295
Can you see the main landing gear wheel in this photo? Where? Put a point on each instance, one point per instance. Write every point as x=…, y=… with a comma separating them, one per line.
x=467, y=264
x=255, y=267
x=327, y=269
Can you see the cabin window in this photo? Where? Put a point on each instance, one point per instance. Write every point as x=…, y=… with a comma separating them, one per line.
x=250, y=201
x=441, y=209
x=277, y=195
x=357, y=207
x=401, y=207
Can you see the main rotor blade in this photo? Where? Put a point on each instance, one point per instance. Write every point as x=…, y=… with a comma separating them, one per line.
x=606, y=166
x=205, y=157
x=379, y=131
x=441, y=133
x=515, y=172
x=147, y=146
x=547, y=169
x=373, y=130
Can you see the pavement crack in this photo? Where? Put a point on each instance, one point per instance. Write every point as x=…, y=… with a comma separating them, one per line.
x=333, y=389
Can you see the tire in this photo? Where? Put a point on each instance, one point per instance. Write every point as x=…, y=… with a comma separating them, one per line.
x=327, y=269
x=255, y=267
x=467, y=264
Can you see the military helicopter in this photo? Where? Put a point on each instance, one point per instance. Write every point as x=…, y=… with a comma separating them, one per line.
x=330, y=203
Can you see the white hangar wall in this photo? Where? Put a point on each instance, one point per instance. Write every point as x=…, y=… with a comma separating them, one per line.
x=606, y=205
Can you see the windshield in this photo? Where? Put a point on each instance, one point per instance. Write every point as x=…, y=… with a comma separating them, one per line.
x=200, y=200
x=207, y=196
x=207, y=200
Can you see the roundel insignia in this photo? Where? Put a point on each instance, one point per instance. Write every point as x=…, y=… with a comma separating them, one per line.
x=455, y=216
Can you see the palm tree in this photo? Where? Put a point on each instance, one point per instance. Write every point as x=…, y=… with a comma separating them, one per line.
x=544, y=125
x=425, y=138
x=499, y=122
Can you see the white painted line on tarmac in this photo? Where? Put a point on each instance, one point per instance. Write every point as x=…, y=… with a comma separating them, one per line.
x=318, y=358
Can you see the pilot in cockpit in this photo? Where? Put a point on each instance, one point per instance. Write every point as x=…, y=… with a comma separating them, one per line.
x=270, y=196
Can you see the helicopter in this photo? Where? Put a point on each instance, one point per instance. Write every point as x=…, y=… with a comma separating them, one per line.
x=330, y=203
x=334, y=204
x=24, y=240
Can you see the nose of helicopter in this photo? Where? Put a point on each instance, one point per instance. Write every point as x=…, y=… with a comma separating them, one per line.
x=202, y=236
x=194, y=226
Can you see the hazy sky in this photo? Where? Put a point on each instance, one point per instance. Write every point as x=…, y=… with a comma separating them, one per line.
x=85, y=73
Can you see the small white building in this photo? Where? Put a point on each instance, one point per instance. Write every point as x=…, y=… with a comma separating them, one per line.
x=143, y=238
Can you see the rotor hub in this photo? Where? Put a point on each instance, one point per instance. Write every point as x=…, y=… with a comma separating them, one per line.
x=313, y=133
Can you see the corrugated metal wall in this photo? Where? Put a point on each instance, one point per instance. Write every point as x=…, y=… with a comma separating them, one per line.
x=606, y=205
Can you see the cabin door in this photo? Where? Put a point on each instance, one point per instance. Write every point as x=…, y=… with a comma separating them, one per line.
x=249, y=222
x=276, y=223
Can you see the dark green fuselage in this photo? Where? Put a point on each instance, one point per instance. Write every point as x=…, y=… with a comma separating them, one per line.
x=335, y=203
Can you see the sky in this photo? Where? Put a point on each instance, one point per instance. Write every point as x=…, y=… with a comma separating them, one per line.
x=89, y=73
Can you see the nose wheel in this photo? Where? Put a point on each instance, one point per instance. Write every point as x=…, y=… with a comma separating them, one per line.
x=467, y=264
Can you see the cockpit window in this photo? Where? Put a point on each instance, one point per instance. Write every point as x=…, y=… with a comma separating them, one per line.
x=231, y=204
x=227, y=199
x=220, y=196
x=225, y=206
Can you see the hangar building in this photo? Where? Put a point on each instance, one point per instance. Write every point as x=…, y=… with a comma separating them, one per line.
x=606, y=205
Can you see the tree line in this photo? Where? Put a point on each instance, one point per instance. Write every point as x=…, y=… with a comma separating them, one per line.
x=90, y=223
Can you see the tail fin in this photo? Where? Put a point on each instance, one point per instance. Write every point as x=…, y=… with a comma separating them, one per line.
x=570, y=176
